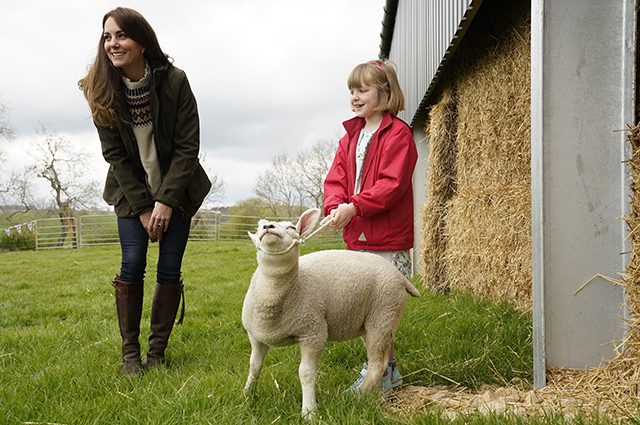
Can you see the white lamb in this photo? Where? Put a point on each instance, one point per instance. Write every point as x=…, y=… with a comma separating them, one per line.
x=332, y=295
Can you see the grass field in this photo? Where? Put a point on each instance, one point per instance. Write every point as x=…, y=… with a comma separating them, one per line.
x=60, y=348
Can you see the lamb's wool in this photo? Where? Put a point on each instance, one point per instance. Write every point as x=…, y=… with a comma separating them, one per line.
x=324, y=296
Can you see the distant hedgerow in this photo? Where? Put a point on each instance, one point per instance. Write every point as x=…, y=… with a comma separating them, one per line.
x=18, y=241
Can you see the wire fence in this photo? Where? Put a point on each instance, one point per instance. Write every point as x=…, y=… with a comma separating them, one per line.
x=102, y=229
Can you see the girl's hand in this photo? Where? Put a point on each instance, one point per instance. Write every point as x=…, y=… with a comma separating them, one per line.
x=342, y=216
x=159, y=221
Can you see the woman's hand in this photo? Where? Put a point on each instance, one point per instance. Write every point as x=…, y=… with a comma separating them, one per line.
x=144, y=219
x=342, y=216
x=158, y=221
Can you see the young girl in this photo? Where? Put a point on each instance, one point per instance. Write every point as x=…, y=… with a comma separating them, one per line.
x=368, y=190
x=148, y=124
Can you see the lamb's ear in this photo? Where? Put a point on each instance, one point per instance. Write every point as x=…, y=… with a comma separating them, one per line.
x=255, y=239
x=307, y=221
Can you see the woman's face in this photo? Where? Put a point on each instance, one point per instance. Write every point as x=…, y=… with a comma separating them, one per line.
x=364, y=101
x=125, y=53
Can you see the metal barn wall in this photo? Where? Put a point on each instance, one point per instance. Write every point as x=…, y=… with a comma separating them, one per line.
x=424, y=37
x=582, y=85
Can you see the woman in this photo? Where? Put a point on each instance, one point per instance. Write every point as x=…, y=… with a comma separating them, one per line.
x=147, y=121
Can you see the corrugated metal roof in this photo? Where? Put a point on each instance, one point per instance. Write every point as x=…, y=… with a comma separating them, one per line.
x=420, y=36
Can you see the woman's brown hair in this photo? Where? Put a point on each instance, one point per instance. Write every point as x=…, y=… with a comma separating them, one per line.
x=101, y=86
x=381, y=75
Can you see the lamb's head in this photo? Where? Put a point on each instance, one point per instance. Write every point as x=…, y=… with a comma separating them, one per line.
x=272, y=236
x=280, y=237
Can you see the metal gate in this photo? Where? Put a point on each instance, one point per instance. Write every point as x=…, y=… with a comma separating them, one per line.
x=56, y=233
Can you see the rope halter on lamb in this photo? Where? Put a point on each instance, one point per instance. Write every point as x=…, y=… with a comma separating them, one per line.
x=331, y=295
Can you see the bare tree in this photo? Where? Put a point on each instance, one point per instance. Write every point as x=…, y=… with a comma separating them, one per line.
x=289, y=187
x=63, y=164
x=314, y=166
x=18, y=189
x=266, y=191
x=7, y=130
x=218, y=185
x=279, y=185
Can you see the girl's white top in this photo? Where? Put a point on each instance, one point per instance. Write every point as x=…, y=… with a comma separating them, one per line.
x=361, y=154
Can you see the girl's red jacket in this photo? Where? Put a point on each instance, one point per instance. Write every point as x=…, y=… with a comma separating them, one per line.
x=384, y=219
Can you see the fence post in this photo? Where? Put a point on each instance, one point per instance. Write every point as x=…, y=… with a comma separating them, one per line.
x=217, y=226
x=79, y=227
x=71, y=224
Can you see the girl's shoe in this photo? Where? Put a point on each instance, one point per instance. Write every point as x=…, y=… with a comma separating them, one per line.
x=390, y=380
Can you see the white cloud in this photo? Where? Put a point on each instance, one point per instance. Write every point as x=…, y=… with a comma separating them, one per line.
x=269, y=76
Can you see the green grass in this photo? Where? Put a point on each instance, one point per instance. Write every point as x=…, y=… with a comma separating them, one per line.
x=60, y=348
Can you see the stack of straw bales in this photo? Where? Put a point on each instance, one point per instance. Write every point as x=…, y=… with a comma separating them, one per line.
x=441, y=184
x=477, y=220
x=628, y=358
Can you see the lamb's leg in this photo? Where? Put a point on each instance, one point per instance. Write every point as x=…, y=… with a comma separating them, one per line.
x=310, y=353
x=258, y=353
x=378, y=348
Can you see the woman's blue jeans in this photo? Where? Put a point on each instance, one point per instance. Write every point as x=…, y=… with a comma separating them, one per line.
x=134, y=242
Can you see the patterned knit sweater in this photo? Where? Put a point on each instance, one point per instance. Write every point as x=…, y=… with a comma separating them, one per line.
x=137, y=94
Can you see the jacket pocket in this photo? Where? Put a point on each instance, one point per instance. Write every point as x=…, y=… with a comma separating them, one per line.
x=197, y=190
x=112, y=193
x=372, y=231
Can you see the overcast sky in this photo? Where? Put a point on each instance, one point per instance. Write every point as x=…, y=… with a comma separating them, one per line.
x=269, y=76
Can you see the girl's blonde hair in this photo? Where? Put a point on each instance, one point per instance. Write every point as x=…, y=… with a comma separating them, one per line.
x=382, y=75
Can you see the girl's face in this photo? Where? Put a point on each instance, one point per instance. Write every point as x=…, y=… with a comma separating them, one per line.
x=124, y=52
x=364, y=101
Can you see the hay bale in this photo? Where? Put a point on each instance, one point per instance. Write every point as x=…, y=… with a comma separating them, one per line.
x=630, y=349
x=484, y=226
x=441, y=186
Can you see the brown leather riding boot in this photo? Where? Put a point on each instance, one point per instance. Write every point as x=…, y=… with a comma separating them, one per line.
x=166, y=301
x=129, y=305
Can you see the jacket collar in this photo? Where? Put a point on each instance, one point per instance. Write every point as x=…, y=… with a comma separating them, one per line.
x=355, y=124
x=158, y=69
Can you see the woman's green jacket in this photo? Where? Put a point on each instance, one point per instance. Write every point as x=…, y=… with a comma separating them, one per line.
x=176, y=132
